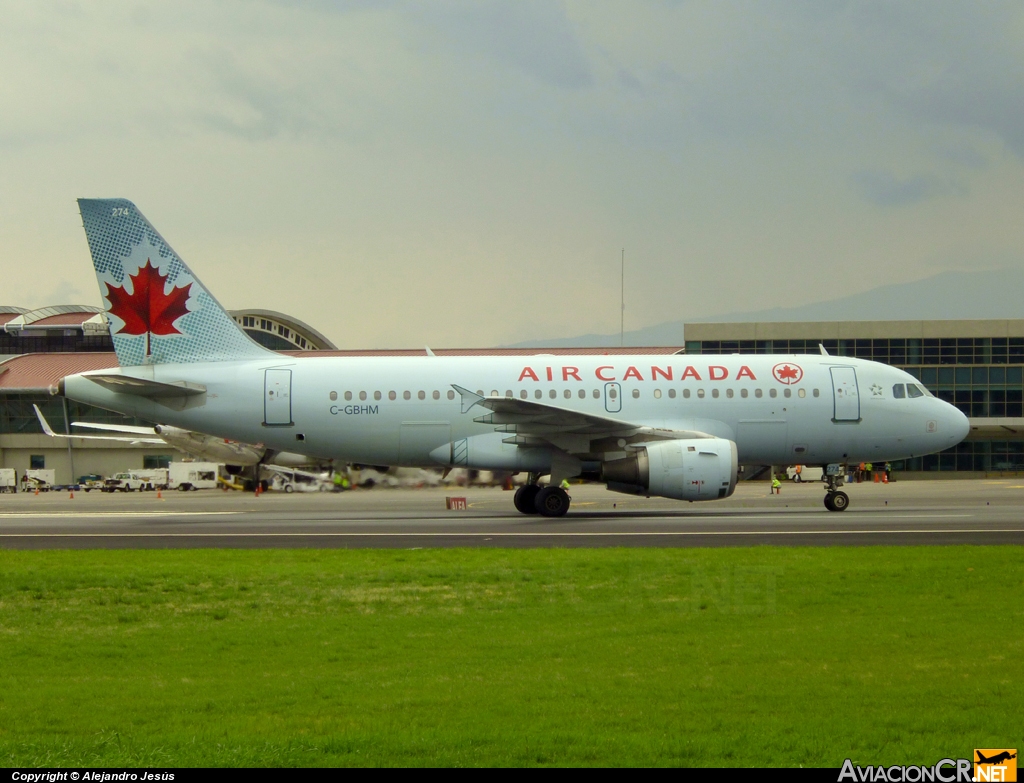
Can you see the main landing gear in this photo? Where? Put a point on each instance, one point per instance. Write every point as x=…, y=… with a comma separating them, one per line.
x=835, y=498
x=546, y=501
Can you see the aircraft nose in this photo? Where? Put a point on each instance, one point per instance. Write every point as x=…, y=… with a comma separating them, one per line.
x=959, y=424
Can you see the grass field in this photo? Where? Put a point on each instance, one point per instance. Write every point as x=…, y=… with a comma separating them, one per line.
x=464, y=657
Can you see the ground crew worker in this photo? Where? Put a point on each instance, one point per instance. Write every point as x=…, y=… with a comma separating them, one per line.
x=888, y=472
x=869, y=467
x=776, y=485
x=564, y=485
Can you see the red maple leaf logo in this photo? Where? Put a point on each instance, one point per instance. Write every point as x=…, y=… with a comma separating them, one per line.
x=148, y=310
x=787, y=373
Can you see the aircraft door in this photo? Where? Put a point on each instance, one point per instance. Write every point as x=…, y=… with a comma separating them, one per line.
x=845, y=394
x=612, y=397
x=277, y=398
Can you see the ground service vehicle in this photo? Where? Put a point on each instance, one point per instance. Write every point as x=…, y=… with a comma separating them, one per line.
x=672, y=426
x=124, y=482
x=186, y=476
x=42, y=479
x=804, y=474
x=8, y=480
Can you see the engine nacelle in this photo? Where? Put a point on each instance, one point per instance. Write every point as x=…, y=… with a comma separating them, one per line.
x=699, y=469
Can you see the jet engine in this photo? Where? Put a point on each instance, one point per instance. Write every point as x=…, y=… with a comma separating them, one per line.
x=698, y=469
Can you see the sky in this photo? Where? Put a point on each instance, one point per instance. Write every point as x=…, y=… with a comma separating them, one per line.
x=468, y=173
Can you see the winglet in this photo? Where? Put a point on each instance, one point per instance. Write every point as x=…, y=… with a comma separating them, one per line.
x=469, y=399
x=822, y=349
x=429, y=352
x=44, y=423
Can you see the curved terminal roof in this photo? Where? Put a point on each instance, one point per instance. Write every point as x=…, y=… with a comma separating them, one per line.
x=56, y=317
x=280, y=332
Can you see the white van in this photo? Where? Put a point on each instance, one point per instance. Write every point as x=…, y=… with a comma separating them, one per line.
x=805, y=473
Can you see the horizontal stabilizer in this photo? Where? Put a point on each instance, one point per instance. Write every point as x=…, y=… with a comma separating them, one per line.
x=143, y=387
x=132, y=439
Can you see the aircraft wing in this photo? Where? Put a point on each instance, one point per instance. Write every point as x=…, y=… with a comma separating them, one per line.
x=122, y=438
x=532, y=421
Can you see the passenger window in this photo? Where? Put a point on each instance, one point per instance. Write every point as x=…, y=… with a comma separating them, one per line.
x=787, y=392
x=729, y=393
x=743, y=393
x=523, y=394
x=714, y=393
x=552, y=393
x=758, y=393
x=817, y=393
x=657, y=394
x=376, y=395
x=406, y=395
x=597, y=394
x=334, y=396
x=451, y=394
x=700, y=393
x=672, y=393
x=494, y=392
x=437, y=394
x=508, y=393
x=636, y=394
x=348, y=395
x=538, y=394
x=567, y=394
x=362, y=395
x=392, y=395
x=898, y=392
x=421, y=395
x=801, y=392
x=773, y=393
x=583, y=394
x=480, y=392
x=612, y=394
x=914, y=391
x=686, y=393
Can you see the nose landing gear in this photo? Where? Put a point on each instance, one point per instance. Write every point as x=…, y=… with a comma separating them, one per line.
x=835, y=498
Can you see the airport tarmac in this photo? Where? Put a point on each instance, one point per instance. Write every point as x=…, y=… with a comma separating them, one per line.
x=921, y=512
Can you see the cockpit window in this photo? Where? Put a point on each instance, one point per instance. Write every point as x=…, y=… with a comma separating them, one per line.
x=914, y=391
x=898, y=392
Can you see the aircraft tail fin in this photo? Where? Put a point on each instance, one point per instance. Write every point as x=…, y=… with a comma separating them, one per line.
x=158, y=310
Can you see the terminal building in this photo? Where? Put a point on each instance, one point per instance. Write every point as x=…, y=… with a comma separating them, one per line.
x=976, y=365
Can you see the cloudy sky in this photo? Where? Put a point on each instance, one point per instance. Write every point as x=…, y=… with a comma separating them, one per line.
x=467, y=173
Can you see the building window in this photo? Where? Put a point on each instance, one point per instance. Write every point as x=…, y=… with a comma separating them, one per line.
x=155, y=461
x=37, y=461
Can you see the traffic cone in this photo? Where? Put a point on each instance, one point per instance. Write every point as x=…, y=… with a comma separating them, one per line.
x=885, y=478
x=877, y=478
x=159, y=494
x=37, y=490
x=72, y=494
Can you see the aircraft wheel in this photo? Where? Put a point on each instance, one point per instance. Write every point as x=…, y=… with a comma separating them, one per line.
x=288, y=488
x=828, y=501
x=552, y=502
x=840, y=501
x=525, y=498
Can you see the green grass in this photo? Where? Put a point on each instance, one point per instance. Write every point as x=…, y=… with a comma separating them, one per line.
x=464, y=657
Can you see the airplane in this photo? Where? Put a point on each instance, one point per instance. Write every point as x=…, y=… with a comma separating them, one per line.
x=670, y=426
x=195, y=444
x=996, y=759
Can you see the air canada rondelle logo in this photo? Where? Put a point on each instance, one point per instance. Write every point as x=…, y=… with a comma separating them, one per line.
x=787, y=373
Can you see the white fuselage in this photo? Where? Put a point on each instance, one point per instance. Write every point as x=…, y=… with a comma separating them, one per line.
x=395, y=411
